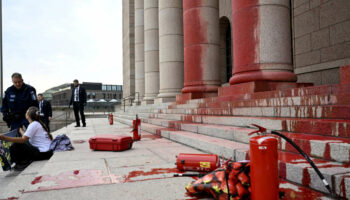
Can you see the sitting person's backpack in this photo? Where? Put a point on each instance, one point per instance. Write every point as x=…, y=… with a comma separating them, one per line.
x=61, y=143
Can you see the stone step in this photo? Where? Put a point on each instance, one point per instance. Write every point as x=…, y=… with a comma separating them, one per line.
x=318, y=112
x=292, y=167
x=329, y=148
x=237, y=151
x=326, y=127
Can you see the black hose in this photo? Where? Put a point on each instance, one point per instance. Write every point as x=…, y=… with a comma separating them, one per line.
x=308, y=159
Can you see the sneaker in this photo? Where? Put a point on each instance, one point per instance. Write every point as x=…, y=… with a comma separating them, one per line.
x=84, y=125
x=77, y=126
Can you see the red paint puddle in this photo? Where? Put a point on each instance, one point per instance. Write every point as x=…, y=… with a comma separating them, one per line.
x=78, y=141
x=73, y=179
x=154, y=171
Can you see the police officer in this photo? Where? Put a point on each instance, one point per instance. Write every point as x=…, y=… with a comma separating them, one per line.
x=18, y=98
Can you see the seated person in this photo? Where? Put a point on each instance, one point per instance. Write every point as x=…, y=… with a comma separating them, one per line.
x=34, y=143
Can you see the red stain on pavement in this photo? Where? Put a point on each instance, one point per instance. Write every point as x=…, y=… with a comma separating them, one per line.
x=78, y=141
x=73, y=179
x=36, y=180
x=154, y=171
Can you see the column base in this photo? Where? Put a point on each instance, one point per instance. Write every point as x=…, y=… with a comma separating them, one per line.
x=258, y=86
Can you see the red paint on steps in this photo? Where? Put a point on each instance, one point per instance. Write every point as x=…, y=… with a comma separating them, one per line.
x=343, y=186
x=306, y=177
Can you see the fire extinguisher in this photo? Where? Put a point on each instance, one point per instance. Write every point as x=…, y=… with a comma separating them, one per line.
x=136, y=129
x=264, y=131
x=110, y=117
x=197, y=162
x=264, y=168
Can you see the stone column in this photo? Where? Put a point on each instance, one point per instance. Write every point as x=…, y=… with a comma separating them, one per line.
x=261, y=41
x=151, y=51
x=201, y=47
x=128, y=51
x=139, y=52
x=171, y=54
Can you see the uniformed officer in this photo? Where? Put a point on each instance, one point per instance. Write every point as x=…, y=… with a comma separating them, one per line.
x=18, y=98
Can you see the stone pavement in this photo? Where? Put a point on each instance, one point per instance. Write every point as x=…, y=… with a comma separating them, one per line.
x=144, y=172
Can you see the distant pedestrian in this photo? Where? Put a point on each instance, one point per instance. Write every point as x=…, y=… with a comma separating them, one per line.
x=18, y=98
x=45, y=110
x=78, y=99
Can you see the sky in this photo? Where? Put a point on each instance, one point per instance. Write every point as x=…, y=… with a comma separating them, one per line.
x=52, y=42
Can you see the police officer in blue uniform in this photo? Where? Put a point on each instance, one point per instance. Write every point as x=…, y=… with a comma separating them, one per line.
x=18, y=98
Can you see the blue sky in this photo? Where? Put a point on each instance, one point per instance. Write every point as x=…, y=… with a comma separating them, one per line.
x=51, y=42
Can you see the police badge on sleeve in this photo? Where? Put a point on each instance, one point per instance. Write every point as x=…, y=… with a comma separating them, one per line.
x=33, y=95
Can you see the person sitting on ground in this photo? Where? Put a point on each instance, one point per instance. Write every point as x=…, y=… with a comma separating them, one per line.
x=33, y=145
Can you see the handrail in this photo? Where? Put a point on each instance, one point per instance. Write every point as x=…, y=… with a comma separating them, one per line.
x=132, y=95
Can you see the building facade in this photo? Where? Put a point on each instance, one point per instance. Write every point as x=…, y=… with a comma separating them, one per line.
x=95, y=92
x=191, y=48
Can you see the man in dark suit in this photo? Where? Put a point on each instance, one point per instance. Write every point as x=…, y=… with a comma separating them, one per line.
x=45, y=110
x=78, y=99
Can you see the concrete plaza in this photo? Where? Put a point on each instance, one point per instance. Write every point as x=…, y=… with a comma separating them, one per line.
x=144, y=172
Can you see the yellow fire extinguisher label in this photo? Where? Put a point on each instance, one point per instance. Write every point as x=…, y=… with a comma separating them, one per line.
x=204, y=164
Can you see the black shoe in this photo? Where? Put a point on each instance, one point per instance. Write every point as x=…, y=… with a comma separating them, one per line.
x=21, y=167
x=77, y=126
x=84, y=125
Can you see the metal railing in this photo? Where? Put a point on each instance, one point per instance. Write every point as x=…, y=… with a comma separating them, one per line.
x=131, y=98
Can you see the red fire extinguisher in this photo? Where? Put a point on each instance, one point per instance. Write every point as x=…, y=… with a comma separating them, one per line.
x=110, y=119
x=197, y=162
x=137, y=129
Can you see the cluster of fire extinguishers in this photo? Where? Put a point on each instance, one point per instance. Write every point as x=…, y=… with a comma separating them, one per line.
x=255, y=179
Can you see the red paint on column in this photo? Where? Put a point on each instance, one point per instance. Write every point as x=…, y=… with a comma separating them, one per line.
x=246, y=32
x=196, y=45
x=247, y=63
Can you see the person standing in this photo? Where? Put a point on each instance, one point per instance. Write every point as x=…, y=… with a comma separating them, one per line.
x=78, y=99
x=45, y=110
x=18, y=98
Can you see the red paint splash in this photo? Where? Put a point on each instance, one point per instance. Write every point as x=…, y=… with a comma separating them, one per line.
x=73, y=179
x=36, y=180
x=154, y=171
x=78, y=141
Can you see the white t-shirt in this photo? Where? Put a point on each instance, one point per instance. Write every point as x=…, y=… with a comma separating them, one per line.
x=38, y=137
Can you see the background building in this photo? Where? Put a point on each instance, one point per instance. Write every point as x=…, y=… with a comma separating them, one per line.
x=96, y=92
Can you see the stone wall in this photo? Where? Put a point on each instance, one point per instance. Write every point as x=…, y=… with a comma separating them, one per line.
x=128, y=49
x=321, y=39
